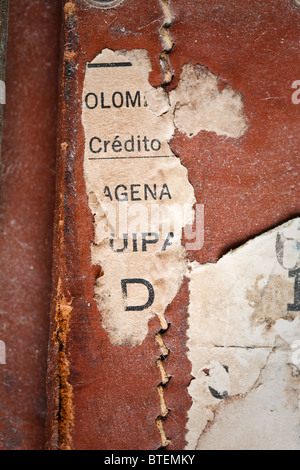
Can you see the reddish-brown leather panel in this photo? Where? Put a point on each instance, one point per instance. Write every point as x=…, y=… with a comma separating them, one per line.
x=26, y=211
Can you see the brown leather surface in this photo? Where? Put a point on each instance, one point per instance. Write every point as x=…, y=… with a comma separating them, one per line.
x=102, y=396
x=26, y=212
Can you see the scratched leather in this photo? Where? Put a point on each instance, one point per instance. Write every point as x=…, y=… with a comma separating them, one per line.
x=244, y=185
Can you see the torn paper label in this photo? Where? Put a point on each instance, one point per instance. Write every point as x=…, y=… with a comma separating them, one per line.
x=136, y=190
x=244, y=320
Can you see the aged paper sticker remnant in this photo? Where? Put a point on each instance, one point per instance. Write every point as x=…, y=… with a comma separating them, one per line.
x=244, y=346
x=136, y=188
x=198, y=104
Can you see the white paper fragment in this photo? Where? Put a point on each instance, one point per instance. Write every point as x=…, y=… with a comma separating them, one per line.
x=244, y=321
